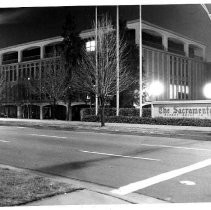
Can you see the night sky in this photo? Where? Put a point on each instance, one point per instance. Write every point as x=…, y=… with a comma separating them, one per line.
x=19, y=25
x=190, y=20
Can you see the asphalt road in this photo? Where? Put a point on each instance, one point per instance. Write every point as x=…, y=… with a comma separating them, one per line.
x=171, y=169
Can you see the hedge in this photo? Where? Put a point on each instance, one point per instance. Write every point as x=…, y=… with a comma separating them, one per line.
x=153, y=121
x=130, y=112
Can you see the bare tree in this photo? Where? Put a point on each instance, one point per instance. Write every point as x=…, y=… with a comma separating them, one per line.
x=2, y=87
x=2, y=81
x=105, y=76
x=53, y=83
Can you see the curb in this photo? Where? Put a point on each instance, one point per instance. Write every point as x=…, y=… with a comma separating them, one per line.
x=91, y=187
x=95, y=125
x=168, y=131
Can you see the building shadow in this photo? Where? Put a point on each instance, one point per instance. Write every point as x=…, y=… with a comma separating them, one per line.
x=77, y=165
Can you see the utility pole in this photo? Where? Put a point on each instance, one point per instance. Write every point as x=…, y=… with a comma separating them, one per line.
x=117, y=60
x=140, y=64
x=96, y=63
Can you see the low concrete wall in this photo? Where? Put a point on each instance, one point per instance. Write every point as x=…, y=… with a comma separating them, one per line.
x=199, y=109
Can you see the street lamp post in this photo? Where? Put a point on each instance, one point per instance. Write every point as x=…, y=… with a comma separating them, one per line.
x=96, y=60
x=140, y=64
x=28, y=98
x=117, y=60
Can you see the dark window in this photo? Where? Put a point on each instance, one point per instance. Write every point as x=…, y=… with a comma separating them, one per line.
x=7, y=76
x=32, y=71
x=177, y=48
x=31, y=54
x=151, y=40
x=24, y=73
x=15, y=75
x=52, y=50
x=10, y=58
x=11, y=73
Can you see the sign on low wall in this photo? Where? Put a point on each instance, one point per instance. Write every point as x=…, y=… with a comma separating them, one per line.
x=182, y=109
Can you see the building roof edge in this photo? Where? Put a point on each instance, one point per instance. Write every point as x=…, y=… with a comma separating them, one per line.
x=167, y=30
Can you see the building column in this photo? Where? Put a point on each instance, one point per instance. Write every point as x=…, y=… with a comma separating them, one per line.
x=19, y=112
x=41, y=112
x=1, y=59
x=165, y=42
x=186, y=49
x=204, y=54
x=42, y=52
x=19, y=56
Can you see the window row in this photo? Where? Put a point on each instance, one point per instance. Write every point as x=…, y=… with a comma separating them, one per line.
x=178, y=67
x=29, y=71
x=52, y=50
x=179, y=91
x=90, y=46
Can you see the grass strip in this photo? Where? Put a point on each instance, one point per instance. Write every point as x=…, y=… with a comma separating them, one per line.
x=20, y=187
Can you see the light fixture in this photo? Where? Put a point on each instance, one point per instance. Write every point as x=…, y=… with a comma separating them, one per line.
x=156, y=88
x=207, y=90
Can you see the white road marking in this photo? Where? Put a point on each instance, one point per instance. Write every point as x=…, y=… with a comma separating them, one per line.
x=114, y=155
x=58, y=137
x=176, y=147
x=187, y=183
x=4, y=141
x=160, y=178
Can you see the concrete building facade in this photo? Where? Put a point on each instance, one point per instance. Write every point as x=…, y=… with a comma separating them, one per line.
x=176, y=61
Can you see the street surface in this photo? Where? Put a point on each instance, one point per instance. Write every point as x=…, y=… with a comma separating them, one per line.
x=170, y=169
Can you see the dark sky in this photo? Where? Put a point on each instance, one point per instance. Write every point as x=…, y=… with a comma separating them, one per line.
x=190, y=20
x=18, y=25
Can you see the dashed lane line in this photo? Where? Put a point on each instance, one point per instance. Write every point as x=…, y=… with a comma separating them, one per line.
x=160, y=178
x=122, y=156
x=176, y=147
x=58, y=137
x=99, y=153
x=149, y=145
x=4, y=141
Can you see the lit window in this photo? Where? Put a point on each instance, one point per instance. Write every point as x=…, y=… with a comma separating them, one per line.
x=179, y=88
x=175, y=91
x=183, y=89
x=90, y=46
x=187, y=89
x=171, y=92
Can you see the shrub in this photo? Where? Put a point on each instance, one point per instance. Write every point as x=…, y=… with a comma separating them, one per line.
x=122, y=112
x=91, y=111
x=131, y=115
x=109, y=111
x=88, y=111
x=146, y=112
x=128, y=112
x=152, y=121
x=91, y=118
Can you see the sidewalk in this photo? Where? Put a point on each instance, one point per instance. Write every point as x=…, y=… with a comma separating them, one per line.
x=95, y=126
x=87, y=197
x=92, y=194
